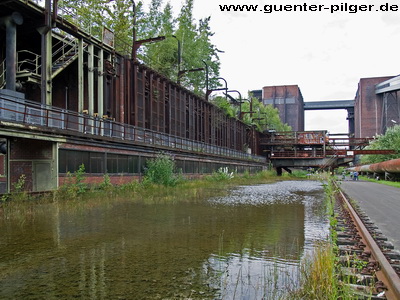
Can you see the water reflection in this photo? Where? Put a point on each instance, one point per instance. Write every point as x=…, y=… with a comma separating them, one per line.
x=293, y=220
x=246, y=245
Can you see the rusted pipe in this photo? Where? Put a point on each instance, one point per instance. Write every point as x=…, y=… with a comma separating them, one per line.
x=389, y=166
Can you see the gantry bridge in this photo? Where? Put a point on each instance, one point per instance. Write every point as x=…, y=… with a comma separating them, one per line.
x=314, y=149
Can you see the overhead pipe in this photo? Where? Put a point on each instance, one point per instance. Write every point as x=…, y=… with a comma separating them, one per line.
x=389, y=166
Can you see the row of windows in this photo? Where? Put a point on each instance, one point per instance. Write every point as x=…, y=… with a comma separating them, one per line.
x=101, y=163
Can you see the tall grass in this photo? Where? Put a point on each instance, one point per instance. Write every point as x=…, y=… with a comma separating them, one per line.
x=319, y=279
x=320, y=271
x=385, y=182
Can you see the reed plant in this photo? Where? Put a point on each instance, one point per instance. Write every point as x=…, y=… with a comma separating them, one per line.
x=320, y=270
x=318, y=279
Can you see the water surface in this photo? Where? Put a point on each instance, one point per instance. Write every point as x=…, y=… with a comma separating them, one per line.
x=245, y=245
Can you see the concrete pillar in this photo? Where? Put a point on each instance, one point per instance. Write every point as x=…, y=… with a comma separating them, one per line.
x=100, y=84
x=11, y=23
x=91, y=79
x=80, y=76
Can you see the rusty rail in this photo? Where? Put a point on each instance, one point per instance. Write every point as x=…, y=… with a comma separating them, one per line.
x=386, y=274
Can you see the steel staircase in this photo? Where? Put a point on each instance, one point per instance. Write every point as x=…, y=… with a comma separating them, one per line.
x=29, y=67
x=65, y=51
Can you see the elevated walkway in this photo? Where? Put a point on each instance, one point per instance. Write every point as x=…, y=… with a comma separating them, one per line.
x=314, y=149
x=335, y=104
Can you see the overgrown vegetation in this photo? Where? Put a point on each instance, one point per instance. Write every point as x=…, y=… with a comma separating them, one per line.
x=221, y=174
x=318, y=275
x=263, y=117
x=320, y=271
x=161, y=170
x=389, y=141
x=19, y=191
x=319, y=278
x=74, y=185
x=385, y=182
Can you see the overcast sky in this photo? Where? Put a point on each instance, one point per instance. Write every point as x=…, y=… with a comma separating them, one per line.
x=324, y=53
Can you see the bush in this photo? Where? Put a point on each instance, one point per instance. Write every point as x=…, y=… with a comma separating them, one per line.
x=161, y=170
x=74, y=185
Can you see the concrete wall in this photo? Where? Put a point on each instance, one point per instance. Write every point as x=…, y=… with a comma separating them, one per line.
x=35, y=160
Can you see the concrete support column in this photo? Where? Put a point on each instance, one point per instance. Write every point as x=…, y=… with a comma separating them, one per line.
x=100, y=84
x=80, y=76
x=47, y=54
x=11, y=23
x=350, y=118
x=47, y=69
x=91, y=79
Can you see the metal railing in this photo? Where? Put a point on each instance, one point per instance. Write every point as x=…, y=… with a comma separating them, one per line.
x=28, y=61
x=303, y=154
x=31, y=113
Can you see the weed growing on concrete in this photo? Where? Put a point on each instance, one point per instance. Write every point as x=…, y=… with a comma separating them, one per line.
x=106, y=185
x=221, y=174
x=74, y=185
x=19, y=193
x=161, y=170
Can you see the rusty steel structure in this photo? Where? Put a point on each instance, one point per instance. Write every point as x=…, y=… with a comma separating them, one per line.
x=75, y=99
x=80, y=101
x=389, y=169
x=314, y=149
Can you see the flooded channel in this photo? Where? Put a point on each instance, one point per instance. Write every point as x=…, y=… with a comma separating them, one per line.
x=246, y=244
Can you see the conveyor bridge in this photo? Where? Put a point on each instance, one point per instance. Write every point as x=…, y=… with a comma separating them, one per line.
x=314, y=149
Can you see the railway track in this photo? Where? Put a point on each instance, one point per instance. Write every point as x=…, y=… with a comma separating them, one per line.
x=370, y=264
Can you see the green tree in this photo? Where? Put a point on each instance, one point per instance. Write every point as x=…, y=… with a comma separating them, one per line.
x=389, y=141
x=264, y=117
x=194, y=39
x=115, y=15
x=224, y=104
x=196, y=48
x=206, y=52
x=254, y=112
x=162, y=56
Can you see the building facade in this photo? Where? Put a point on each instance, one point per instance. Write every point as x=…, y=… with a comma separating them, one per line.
x=289, y=101
x=369, y=111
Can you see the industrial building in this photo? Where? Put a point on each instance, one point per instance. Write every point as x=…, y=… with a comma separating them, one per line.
x=288, y=100
x=374, y=109
x=68, y=98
